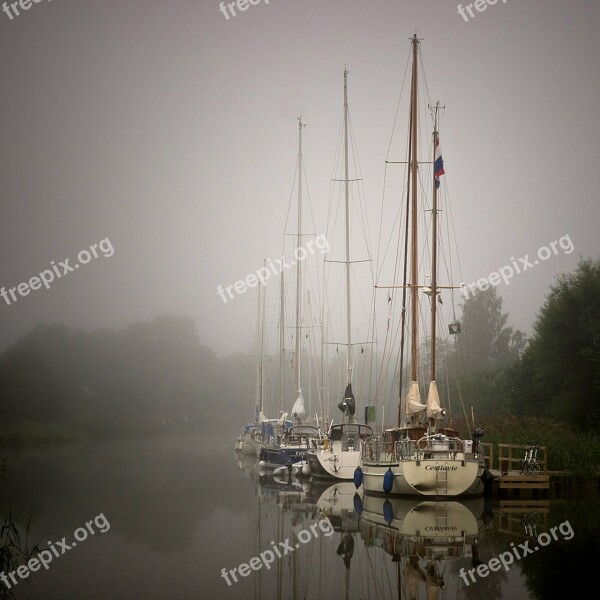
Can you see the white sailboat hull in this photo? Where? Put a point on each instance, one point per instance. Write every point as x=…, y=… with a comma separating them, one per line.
x=334, y=463
x=435, y=466
x=339, y=457
x=436, y=477
x=248, y=448
x=245, y=447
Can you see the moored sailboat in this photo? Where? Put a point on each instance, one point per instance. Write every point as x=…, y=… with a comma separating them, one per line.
x=250, y=439
x=422, y=457
x=289, y=444
x=339, y=456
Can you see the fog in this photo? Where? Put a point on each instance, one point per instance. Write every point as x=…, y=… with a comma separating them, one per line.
x=170, y=131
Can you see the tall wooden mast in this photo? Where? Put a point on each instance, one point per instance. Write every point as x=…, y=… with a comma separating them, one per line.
x=414, y=269
x=434, y=243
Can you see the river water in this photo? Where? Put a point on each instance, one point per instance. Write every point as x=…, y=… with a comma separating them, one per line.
x=183, y=517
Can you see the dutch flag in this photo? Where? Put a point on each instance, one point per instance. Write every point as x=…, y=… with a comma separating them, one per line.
x=438, y=165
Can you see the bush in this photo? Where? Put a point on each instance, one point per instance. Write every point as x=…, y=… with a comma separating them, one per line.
x=567, y=450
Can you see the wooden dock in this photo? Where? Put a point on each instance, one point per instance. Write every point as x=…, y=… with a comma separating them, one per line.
x=513, y=480
x=504, y=464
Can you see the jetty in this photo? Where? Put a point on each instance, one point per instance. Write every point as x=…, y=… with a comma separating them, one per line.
x=507, y=463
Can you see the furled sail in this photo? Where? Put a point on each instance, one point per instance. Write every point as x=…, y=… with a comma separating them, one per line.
x=413, y=400
x=434, y=409
x=348, y=404
x=298, y=408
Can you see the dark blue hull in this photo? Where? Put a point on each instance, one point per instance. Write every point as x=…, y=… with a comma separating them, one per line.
x=281, y=457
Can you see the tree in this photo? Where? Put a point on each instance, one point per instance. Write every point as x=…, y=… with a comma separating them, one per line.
x=489, y=344
x=560, y=372
x=486, y=349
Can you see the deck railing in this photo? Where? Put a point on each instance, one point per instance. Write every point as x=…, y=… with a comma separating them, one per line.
x=378, y=450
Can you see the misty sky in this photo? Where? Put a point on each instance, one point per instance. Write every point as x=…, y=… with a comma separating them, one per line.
x=172, y=131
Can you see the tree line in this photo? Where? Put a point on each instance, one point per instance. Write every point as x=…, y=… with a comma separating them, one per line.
x=157, y=375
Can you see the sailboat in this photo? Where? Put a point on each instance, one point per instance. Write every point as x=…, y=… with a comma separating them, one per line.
x=339, y=456
x=250, y=439
x=421, y=457
x=288, y=446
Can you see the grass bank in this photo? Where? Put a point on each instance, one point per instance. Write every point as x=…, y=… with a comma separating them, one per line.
x=568, y=450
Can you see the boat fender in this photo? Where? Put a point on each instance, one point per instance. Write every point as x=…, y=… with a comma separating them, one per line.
x=487, y=477
x=358, y=477
x=388, y=512
x=388, y=481
x=358, y=506
x=306, y=470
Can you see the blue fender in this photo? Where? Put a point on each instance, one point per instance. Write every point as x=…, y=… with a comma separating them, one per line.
x=388, y=481
x=358, y=477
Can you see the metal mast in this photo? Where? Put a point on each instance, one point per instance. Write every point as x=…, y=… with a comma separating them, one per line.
x=347, y=206
x=298, y=345
x=262, y=346
x=282, y=343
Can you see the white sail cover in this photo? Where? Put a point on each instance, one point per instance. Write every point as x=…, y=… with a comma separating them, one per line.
x=298, y=408
x=413, y=400
x=434, y=409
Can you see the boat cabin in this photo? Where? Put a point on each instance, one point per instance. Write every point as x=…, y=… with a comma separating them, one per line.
x=349, y=434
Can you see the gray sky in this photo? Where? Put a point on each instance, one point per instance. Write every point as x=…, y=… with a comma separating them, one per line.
x=172, y=131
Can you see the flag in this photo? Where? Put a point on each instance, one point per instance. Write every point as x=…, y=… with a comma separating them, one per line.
x=438, y=165
x=370, y=414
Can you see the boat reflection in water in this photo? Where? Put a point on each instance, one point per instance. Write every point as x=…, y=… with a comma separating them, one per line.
x=341, y=504
x=246, y=463
x=423, y=538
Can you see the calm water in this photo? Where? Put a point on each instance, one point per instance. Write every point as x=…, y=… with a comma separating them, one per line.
x=180, y=509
